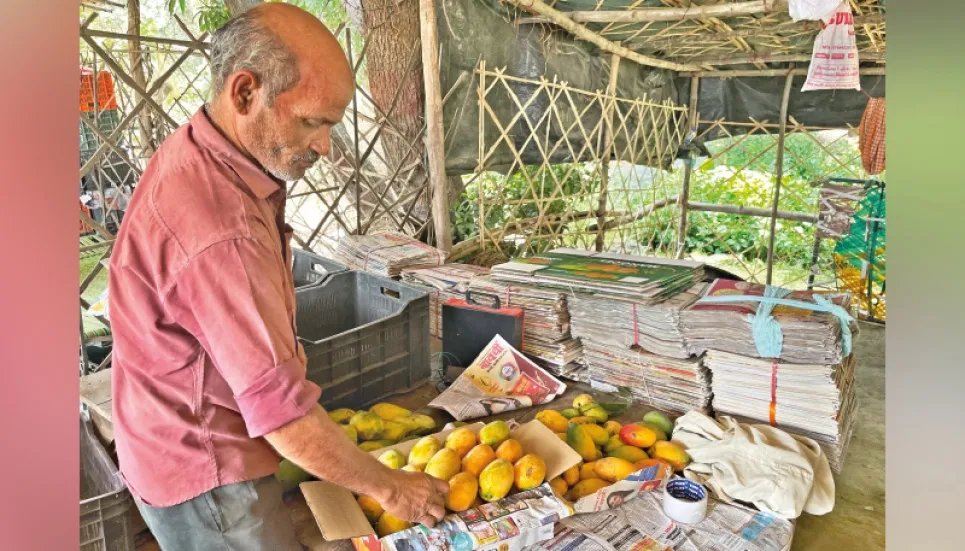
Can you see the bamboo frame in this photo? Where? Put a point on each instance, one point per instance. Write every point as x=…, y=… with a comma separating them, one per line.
x=435, y=146
x=646, y=15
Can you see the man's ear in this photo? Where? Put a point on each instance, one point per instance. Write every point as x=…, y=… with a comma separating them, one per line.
x=243, y=87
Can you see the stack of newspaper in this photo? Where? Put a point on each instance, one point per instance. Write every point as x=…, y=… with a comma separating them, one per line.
x=386, y=254
x=644, y=280
x=808, y=335
x=812, y=400
x=442, y=283
x=546, y=322
x=669, y=384
x=654, y=328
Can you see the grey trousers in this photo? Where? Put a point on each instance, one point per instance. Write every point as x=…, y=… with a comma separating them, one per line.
x=247, y=516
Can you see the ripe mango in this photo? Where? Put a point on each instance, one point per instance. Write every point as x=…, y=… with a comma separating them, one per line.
x=586, y=487
x=572, y=475
x=478, y=459
x=664, y=469
x=392, y=459
x=659, y=419
x=629, y=453
x=613, y=443
x=613, y=469
x=342, y=415
x=494, y=434
x=352, y=434
x=290, y=475
x=417, y=423
x=595, y=412
x=587, y=471
x=583, y=420
x=530, y=472
x=661, y=435
x=389, y=525
x=461, y=441
x=570, y=413
x=443, y=465
x=612, y=427
x=637, y=435
x=372, y=509
x=559, y=486
x=552, y=419
x=597, y=433
x=463, y=488
x=671, y=453
x=510, y=450
x=580, y=440
x=389, y=412
x=582, y=400
x=392, y=430
x=562, y=436
x=368, y=425
x=413, y=468
x=373, y=445
x=423, y=451
x=496, y=480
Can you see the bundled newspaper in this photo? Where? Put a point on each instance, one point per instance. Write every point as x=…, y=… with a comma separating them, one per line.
x=644, y=280
x=668, y=384
x=500, y=379
x=513, y=523
x=639, y=524
x=654, y=328
x=442, y=283
x=760, y=321
x=386, y=254
x=812, y=400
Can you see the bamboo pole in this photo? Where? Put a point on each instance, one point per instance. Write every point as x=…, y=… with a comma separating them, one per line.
x=769, y=57
x=778, y=173
x=196, y=44
x=540, y=8
x=863, y=71
x=751, y=211
x=481, y=152
x=648, y=15
x=435, y=143
x=609, y=105
x=688, y=168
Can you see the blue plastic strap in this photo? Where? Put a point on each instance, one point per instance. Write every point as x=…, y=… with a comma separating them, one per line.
x=768, y=337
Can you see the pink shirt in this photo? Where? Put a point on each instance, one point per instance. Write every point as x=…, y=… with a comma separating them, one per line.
x=202, y=310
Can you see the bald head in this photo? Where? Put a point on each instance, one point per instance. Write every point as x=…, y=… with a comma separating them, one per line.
x=279, y=82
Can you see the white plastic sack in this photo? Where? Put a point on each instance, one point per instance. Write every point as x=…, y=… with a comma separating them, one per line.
x=834, y=61
x=777, y=472
x=815, y=10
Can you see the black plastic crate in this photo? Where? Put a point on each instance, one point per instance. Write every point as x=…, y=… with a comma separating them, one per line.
x=105, y=502
x=309, y=268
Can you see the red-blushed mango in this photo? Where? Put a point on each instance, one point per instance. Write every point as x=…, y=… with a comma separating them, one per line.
x=638, y=435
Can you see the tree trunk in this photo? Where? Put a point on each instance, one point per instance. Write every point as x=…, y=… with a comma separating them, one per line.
x=136, y=56
x=240, y=6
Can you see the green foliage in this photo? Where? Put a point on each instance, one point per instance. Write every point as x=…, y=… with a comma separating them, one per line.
x=211, y=15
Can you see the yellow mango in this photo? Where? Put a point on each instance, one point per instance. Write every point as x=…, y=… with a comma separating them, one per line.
x=632, y=454
x=530, y=472
x=582, y=400
x=661, y=435
x=413, y=468
x=424, y=449
x=461, y=441
x=416, y=423
x=570, y=413
x=671, y=453
x=389, y=524
x=372, y=509
x=580, y=440
x=613, y=469
x=613, y=443
x=392, y=459
x=612, y=427
x=392, y=430
x=510, y=450
x=496, y=480
x=553, y=420
x=572, y=475
x=664, y=469
x=586, y=487
x=587, y=471
x=597, y=433
x=478, y=459
x=494, y=434
x=559, y=486
x=352, y=434
x=595, y=412
x=373, y=445
x=341, y=415
x=583, y=420
x=443, y=465
x=561, y=436
x=389, y=412
x=368, y=425
x=638, y=435
x=463, y=489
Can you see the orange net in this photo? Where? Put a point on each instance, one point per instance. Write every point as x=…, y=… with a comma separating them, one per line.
x=871, y=136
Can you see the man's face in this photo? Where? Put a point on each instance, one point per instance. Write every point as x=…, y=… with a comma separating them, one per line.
x=290, y=135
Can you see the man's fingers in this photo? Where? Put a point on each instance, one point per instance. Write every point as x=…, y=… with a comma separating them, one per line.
x=427, y=520
x=437, y=511
x=441, y=486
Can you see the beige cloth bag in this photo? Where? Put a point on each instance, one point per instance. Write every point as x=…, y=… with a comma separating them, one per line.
x=777, y=472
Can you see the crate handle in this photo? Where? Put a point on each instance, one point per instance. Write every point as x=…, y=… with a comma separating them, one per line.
x=391, y=293
x=470, y=300
x=319, y=268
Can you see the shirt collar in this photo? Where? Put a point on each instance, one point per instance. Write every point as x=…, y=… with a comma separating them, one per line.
x=260, y=183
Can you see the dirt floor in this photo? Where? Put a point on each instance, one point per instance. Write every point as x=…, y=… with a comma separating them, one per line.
x=858, y=519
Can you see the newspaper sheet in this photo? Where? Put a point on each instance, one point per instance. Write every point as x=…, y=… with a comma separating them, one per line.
x=512, y=523
x=640, y=525
x=500, y=379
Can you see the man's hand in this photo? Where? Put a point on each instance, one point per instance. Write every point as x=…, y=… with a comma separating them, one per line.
x=416, y=497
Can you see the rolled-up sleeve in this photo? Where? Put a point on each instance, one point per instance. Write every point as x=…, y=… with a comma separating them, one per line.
x=232, y=296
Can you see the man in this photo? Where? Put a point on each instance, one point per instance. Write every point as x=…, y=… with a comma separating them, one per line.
x=209, y=379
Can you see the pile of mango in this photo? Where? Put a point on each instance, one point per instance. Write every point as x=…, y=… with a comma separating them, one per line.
x=610, y=451
x=479, y=469
x=382, y=425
